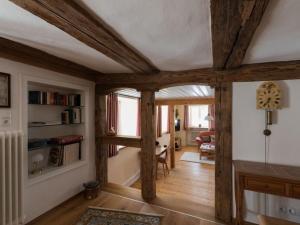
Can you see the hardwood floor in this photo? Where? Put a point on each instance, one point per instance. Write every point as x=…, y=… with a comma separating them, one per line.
x=184, y=197
x=69, y=212
x=188, y=180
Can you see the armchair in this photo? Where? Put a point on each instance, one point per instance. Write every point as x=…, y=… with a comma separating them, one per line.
x=200, y=139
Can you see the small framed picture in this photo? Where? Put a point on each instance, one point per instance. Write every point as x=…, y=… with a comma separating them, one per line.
x=4, y=90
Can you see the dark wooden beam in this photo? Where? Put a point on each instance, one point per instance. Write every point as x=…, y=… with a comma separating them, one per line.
x=148, y=134
x=101, y=153
x=185, y=101
x=24, y=54
x=233, y=26
x=157, y=81
x=122, y=140
x=223, y=173
x=172, y=136
x=285, y=70
x=75, y=20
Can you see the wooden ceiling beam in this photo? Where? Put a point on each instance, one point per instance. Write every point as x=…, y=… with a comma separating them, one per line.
x=285, y=70
x=186, y=101
x=233, y=26
x=78, y=22
x=158, y=80
x=24, y=54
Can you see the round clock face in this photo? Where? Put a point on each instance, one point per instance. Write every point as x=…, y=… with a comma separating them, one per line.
x=268, y=96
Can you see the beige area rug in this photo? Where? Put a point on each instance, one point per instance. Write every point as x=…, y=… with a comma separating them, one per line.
x=102, y=216
x=195, y=157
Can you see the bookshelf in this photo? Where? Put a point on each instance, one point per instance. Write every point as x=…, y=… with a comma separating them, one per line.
x=56, y=129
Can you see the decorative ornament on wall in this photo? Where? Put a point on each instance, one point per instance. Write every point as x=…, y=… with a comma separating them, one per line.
x=268, y=98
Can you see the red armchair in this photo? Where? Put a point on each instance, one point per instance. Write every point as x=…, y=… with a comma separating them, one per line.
x=200, y=139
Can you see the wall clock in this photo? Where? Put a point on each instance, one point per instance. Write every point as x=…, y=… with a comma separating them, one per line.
x=268, y=97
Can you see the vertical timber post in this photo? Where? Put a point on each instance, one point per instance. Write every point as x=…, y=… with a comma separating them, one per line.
x=148, y=135
x=172, y=136
x=101, y=149
x=223, y=168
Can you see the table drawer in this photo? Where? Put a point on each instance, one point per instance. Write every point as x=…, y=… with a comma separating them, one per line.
x=271, y=187
x=296, y=191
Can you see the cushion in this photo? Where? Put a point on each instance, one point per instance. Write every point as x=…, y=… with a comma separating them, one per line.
x=205, y=138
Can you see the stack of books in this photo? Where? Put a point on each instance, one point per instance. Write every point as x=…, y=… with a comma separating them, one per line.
x=68, y=150
x=53, y=98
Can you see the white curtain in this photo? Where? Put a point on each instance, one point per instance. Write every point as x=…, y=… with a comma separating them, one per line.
x=197, y=114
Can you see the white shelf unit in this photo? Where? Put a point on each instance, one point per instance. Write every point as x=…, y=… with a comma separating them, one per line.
x=54, y=128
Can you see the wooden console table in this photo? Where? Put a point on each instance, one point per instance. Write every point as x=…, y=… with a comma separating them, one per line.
x=265, y=178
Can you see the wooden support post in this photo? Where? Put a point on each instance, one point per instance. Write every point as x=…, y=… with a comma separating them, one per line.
x=148, y=135
x=172, y=136
x=223, y=168
x=101, y=148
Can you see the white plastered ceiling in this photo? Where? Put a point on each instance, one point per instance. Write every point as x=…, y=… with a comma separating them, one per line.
x=278, y=35
x=21, y=26
x=173, y=34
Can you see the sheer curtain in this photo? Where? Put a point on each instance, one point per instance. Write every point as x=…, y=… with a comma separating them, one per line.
x=197, y=114
x=164, y=119
x=128, y=114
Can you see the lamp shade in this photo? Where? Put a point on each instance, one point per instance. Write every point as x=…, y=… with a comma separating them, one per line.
x=209, y=117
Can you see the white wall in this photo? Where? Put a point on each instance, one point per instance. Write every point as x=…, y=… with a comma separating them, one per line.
x=42, y=196
x=283, y=144
x=124, y=168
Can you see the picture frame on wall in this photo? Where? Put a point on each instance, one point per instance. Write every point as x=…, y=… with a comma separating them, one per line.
x=5, y=101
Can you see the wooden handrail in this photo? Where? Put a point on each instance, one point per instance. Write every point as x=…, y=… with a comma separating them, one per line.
x=127, y=141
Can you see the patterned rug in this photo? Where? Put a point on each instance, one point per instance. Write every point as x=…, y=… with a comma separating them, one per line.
x=101, y=216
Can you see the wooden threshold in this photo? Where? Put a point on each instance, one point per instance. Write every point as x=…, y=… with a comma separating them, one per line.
x=171, y=202
x=122, y=140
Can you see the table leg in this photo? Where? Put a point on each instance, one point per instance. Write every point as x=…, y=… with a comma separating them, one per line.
x=239, y=199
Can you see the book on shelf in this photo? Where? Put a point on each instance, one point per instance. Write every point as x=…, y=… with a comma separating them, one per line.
x=53, y=98
x=67, y=151
x=72, y=115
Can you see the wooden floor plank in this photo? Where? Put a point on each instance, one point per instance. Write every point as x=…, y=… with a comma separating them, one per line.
x=69, y=212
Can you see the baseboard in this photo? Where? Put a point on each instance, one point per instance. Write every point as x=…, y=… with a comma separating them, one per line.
x=132, y=179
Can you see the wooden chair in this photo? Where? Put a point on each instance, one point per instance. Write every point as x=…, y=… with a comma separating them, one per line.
x=163, y=160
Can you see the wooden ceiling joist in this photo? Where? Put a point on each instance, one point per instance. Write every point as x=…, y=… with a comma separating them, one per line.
x=285, y=70
x=157, y=81
x=186, y=101
x=233, y=26
x=94, y=32
x=24, y=54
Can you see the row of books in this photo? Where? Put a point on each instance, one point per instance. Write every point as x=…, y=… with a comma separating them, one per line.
x=68, y=151
x=65, y=155
x=53, y=98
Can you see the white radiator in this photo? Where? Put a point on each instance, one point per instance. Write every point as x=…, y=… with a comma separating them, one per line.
x=11, y=178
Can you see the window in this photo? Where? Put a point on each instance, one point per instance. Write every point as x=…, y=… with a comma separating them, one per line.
x=127, y=116
x=164, y=119
x=197, y=114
